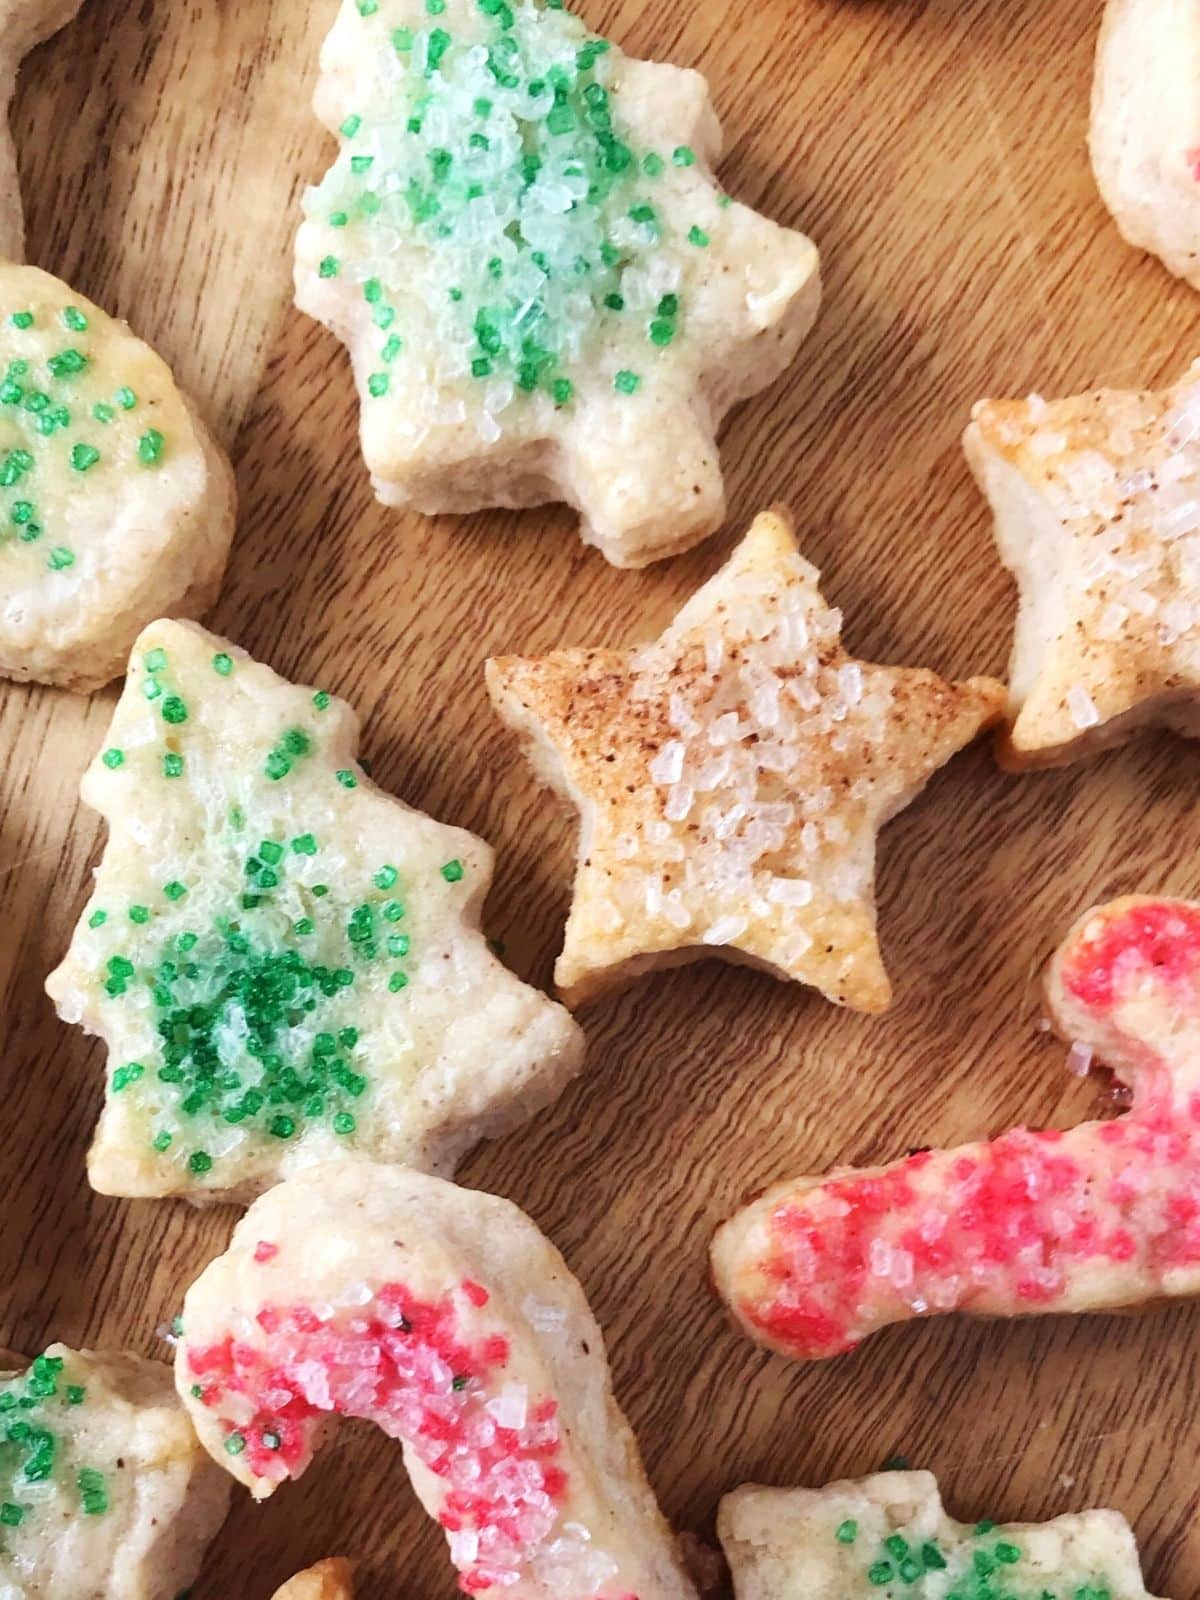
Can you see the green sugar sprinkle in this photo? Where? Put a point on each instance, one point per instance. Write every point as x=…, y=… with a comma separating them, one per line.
x=22, y=319
x=222, y=664
x=510, y=169
x=113, y=758
x=452, y=871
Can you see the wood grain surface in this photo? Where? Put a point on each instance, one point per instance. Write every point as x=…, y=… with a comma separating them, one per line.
x=935, y=151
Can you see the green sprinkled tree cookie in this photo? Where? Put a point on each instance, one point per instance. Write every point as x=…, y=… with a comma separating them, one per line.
x=23, y=26
x=544, y=293
x=116, y=504
x=105, y=1491
x=887, y=1537
x=284, y=961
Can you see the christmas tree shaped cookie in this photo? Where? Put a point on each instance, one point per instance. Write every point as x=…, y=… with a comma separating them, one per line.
x=1104, y=1215
x=284, y=962
x=1096, y=501
x=732, y=776
x=889, y=1536
x=116, y=504
x=544, y=293
x=104, y=1488
x=443, y=1316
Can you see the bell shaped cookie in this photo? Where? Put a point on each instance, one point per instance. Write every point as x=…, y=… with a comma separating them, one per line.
x=105, y=1492
x=889, y=1535
x=443, y=1316
x=1102, y=1216
x=731, y=777
x=1145, y=128
x=116, y=504
x=1096, y=501
x=285, y=962
x=544, y=293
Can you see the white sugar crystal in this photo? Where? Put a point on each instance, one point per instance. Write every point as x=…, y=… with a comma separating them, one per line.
x=666, y=766
x=464, y=1546
x=790, y=892
x=679, y=714
x=1082, y=707
x=510, y=1406
x=810, y=838
x=544, y=1315
x=679, y=802
x=625, y=846
x=764, y=705
x=724, y=730
x=712, y=773
x=714, y=652
x=725, y=930
x=1079, y=1059
x=1112, y=619
x=850, y=682
x=675, y=911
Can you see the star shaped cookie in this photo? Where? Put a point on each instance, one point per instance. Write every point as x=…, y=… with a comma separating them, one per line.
x=116, y=503
x=544, y=293
x=445, y=1318
x=1145, y=128
x=1102, y=1216
x=889, y=1534
x=104, y=1487
x=284, y=961
x=1097, y=515
x=731, y=777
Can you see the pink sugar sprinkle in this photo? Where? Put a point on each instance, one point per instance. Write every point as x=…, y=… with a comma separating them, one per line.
x=1029, y=1218
x=1192, y=157
x=264, y=1250
x=412, y=1367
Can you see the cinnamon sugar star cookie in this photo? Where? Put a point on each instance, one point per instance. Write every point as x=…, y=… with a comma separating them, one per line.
x=1097, y=515
x=889, y=1535
x=328, y=1580
x=284, y=961
x=105, y=1492
x=1104, y=1215
x=1145, y=128
x=544, y=293
x=731, y=777
x=444, y=1317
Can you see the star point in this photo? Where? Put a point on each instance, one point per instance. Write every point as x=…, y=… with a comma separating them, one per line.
x=731, y=776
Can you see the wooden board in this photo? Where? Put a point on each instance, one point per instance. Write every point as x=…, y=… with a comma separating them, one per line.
x=936, y=153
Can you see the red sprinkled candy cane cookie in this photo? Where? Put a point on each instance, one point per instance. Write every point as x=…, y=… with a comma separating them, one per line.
x=889, y=1535
x=443, y=1316
x=1104, y=1215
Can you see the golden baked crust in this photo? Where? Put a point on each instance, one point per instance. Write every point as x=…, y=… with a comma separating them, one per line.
x=731, y=777
x=332, y=1579
x=1096, y=501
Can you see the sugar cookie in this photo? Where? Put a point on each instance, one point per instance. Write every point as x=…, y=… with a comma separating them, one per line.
x=888, y=1535
x=24, y=24
x=116, y=504
x=443, y=1316
x=1104, y=1215
x=1097, y=515
x=544, y=294
x=285, y=962
x=328, y=1580
x=105, y=1493
x=1145, y=128
x=731, y=777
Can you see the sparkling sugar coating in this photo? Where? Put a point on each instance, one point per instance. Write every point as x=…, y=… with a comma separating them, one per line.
x=104, y=1489
x=732, y=776
x=1145, y=128
x=1097, y=507
x=115, y=503
x=888, y=1536
x=445, y=1318
x=1104, y=1215
x=544, y=293
x=285, y=962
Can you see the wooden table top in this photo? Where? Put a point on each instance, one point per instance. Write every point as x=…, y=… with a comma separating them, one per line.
x=935, y=151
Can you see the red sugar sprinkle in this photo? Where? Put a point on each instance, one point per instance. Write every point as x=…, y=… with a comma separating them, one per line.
x=1024, y=1220
x=410, y=1366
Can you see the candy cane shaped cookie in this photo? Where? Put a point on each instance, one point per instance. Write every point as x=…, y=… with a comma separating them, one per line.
x=446, y=1318
x=1104, y=1215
